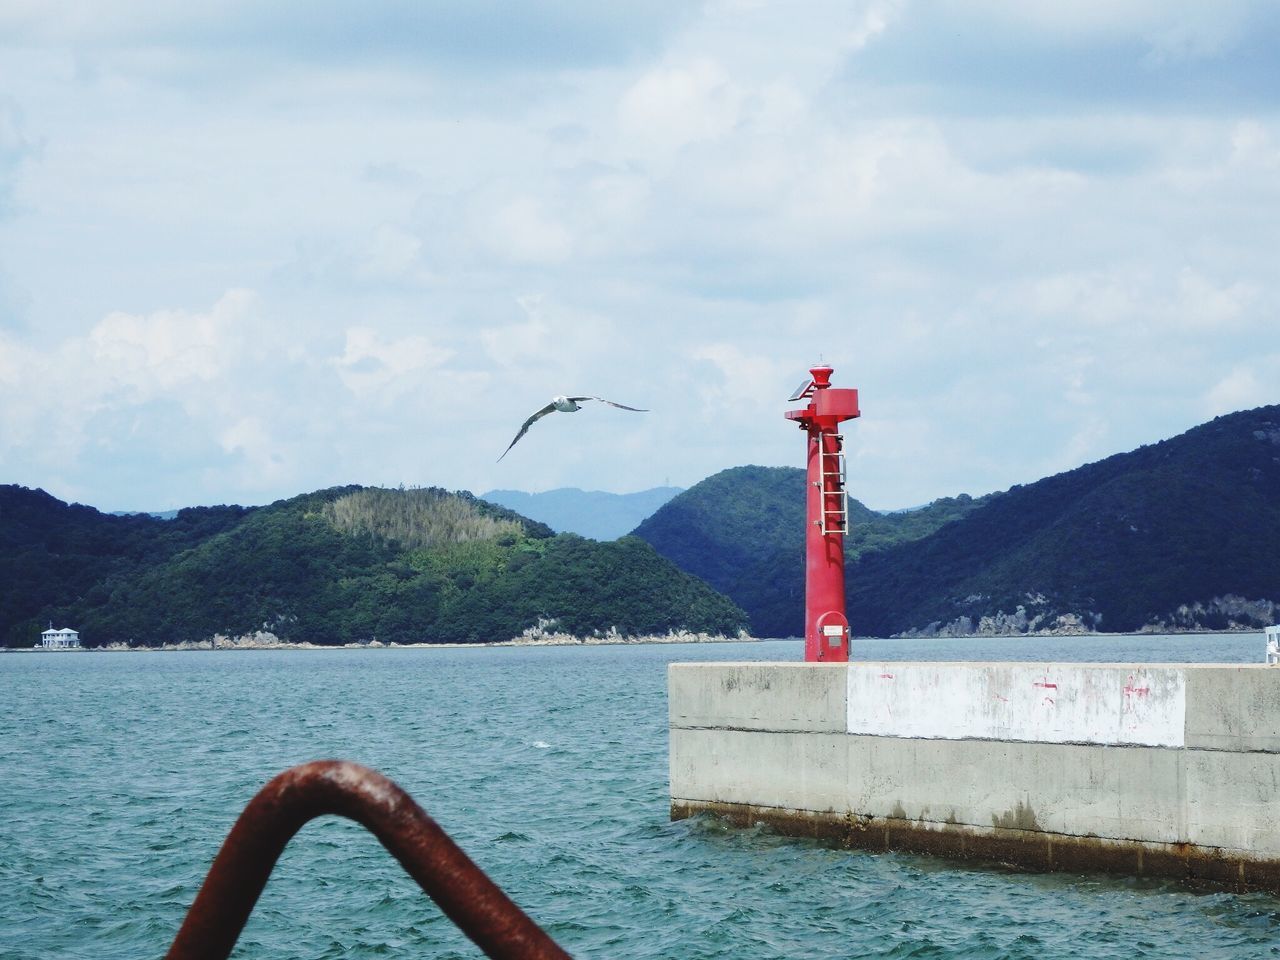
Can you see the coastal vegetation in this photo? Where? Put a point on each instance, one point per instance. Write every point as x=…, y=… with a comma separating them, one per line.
x=336, y=566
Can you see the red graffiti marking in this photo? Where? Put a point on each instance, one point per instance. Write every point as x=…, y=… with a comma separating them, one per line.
x=886, y=676
x=1045, y=684
x=1131, y=691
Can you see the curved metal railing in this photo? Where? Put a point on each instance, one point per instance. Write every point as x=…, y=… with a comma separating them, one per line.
x=240, y=871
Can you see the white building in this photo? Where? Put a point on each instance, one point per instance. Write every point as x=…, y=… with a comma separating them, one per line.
x=64, y=639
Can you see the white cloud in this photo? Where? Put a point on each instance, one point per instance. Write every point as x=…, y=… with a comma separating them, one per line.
x=1216, y=308
x=1247, y=385
x=1193, y=31
x=738, y=385
x=51, y=398
x=672, y=106
x=370, y=365
x=1173, y=29
x=393, y=252
x=15, y=148
x=1254, y=146
x=160, y=351
x=522, y=230
x=522, y=344
x=251, y=439
x=1013, y=273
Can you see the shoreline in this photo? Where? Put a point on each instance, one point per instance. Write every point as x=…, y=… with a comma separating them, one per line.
x=265, y=641
x=270, y=642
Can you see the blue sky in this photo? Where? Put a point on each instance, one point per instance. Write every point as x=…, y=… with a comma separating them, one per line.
x=250, y=250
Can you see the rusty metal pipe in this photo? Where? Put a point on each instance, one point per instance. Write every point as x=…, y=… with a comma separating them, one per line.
x=240, y=871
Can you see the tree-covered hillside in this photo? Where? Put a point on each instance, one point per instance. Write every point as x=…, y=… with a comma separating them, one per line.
x=343, y=565
x=1180, y=534
x=1157, y=537
x=742, y=530
x=54, y=554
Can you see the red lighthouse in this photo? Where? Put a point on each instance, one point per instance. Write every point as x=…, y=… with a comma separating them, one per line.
x=826, y=628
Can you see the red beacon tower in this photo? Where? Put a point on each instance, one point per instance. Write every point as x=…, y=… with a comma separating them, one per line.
x=826, y=627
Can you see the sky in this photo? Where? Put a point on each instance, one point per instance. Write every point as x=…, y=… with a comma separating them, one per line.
x=252, y=250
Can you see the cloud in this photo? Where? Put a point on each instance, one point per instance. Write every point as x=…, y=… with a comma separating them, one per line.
x=966, y=57
x=522, y=230
x=1027, y=232
x=15, y=148
x=158, y=352
x=250, y=438
x=673, y=106
x=529, y=342
x=392, y=253
x=735, y=385
x=1121, y=299
x=50, y=398
x=371, y=366
x=1247, y=385
x=145, y=37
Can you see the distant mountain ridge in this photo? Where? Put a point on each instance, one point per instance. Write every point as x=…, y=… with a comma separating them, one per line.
x=588, y=513
x=344, y=565
x=1180, y=534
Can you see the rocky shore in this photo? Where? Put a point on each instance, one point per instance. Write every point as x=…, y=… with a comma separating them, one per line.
x=1225, y=614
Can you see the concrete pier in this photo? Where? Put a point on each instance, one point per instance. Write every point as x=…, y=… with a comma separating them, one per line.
x=1154, y=769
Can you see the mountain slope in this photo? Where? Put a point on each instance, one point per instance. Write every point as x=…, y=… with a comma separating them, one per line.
x=589, y=513
x=342, y=565
x=742, y=530
x=53, y=554
x=1178, y=534
x=1116, y=545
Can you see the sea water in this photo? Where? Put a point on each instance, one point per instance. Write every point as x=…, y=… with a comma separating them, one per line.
x=120, y=774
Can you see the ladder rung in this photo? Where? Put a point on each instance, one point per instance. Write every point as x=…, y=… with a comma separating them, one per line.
x=835, y=515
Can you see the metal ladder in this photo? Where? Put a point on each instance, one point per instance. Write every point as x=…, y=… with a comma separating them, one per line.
x=835, y=497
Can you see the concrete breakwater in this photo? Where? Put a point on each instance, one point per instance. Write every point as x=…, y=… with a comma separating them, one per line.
x=1156, y=769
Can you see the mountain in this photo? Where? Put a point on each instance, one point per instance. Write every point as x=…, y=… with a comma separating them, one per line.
x=54, y=555
x=589, y=513
x=1180, y=534
x=348, y=564
x=742, y=530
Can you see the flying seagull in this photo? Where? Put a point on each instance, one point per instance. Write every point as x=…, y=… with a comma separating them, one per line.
x=563, y=405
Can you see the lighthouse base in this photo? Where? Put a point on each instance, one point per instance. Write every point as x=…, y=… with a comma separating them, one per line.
x=1158, y=770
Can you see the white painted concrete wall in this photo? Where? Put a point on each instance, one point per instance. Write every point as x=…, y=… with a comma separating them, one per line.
x=1041, y=703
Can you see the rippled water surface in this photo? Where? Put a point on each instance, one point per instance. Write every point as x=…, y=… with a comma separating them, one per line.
x=120, y=774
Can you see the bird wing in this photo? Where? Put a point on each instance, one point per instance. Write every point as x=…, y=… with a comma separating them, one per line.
x=527, y=424
x=620, y=406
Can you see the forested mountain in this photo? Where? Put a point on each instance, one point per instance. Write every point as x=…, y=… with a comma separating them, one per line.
x=343, y=565
x=742, y=530
x=53, y=554
x=1180, y=534
x=591, y=513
